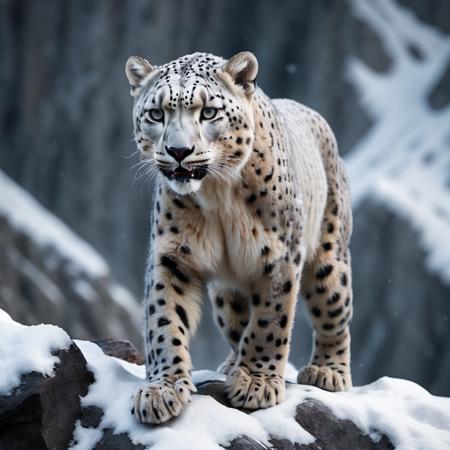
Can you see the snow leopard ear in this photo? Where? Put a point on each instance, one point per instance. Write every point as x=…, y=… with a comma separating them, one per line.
x=243, y=68
x=137, y=69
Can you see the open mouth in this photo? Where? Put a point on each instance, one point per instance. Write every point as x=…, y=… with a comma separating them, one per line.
x=183, y=175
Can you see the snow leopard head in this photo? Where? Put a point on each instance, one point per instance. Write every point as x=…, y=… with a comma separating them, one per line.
x=193, y=117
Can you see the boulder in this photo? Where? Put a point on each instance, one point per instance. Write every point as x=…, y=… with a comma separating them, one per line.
x=121, y=348
x=42, y=411
x=316, y=418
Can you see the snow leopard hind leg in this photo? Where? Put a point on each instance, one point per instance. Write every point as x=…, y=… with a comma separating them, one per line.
x=327, y=290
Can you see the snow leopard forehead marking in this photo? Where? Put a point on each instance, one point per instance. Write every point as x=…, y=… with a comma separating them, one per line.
x=183, y=76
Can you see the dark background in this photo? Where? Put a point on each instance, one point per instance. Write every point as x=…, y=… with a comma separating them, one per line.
x=66, y=136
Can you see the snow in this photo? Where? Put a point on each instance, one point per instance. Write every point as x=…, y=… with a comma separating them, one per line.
x=195, y=428
x=291, y=68
x=31, y=218
x=5, y=317
x=404, y=159
x=203, y=376
x=24, y=349
x=407, y=414
x=412, y=418
x=86, y=437
x=279, y=420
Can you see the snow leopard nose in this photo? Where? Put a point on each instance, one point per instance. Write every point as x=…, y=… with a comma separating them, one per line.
x=179, y=153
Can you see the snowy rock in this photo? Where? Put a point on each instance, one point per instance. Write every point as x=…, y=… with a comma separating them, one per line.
x=48, y=273
x=319, y=421
x=40, y=413
x=57, y=394
x=316, y=418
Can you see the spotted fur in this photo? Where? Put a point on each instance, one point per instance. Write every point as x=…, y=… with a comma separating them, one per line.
x=251, y=201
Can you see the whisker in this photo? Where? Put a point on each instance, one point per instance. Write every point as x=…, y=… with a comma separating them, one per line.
x=130, y=155
x=139, y=163
x=144, y=166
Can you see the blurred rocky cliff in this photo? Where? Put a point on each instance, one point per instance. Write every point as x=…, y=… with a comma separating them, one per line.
x=47, y=273
x=65, y=119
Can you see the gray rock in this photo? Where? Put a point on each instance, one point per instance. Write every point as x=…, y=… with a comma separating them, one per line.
x=245, y=443
x=111, y=441
x=331, y=432
x=41, y=412
x=215, y=389
x=121, y=348
x=91, y=416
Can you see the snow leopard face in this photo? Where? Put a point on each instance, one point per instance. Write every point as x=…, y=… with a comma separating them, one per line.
x=193, y=117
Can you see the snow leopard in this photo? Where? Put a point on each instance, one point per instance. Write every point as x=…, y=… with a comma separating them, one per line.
x=251, y=203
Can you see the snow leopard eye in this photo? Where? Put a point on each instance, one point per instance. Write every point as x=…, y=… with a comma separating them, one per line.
x=157, y=115
x=208, y=113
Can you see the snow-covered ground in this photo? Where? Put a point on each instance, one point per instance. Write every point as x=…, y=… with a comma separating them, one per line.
x=412, y=418
x=408, y=415
x=404, y=159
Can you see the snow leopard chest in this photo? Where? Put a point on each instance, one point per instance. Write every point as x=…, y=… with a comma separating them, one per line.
x=243, y=239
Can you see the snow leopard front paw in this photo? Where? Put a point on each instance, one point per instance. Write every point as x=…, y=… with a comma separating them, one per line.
x=329, y=378
x=159, y=401
x=251, y=390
